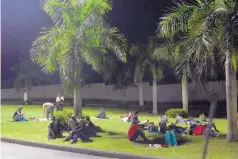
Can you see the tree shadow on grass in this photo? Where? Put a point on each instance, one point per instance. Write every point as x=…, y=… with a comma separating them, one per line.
x=161, y=140
x=110, y=133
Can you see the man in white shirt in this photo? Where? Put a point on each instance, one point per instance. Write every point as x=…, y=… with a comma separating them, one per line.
x=25, y=97
x=59, y=101
x=48, y=108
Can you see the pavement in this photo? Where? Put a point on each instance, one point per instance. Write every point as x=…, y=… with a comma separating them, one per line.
x=78, y=151
x=13, y=151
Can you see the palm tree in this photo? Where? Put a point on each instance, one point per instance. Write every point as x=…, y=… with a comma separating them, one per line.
x=176, y=54
x=123, y=78
x=24, y=76
x=142, y=61
x=206, y=22
x=80, y=34
x=158, y=50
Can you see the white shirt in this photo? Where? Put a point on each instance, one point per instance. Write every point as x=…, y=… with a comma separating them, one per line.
x=25, y=96
x=49, y=104
x=59, y=98
x=179, y=119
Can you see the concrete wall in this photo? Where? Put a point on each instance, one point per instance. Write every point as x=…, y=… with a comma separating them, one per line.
x=166, y=93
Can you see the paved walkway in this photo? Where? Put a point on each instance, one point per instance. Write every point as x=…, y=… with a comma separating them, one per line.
x=15, y=151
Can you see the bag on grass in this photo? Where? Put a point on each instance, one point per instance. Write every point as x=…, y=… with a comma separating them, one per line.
x=199, y=130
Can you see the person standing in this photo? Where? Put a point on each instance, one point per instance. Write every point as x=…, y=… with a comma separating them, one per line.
x=25, y=98
x=59, y=102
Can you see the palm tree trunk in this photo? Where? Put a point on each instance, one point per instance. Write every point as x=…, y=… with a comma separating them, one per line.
x=185, y=91
x=231, y=98
x=154, y=94
x=77, y=96
x=141, y=99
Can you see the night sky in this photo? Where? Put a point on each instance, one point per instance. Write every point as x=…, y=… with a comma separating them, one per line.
x=22, y=20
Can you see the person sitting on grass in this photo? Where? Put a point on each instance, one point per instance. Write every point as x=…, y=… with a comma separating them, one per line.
x=179, y=119
x=170, y=137
x=134, y=116
x=90, y=124
x=102, y=114
x=18, y=115
x=211, y=133
x=135, y=131
x=55, y=129
x=163, y=120
x=87, y=130
x=48, y=108
x=75, y=131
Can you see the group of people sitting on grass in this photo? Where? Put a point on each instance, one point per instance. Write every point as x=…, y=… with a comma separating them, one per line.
x=136, y=130
x=78, y=128
x=195, y=127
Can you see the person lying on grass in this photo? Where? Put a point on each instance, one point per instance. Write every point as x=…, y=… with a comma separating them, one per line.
x=177, y=129
x=75, y=131
x=149, y=126
x=102, y=114
x=55, y=129
x=135, y=131
x=48, y=108
x=18, y=115
x=129, y=117
x=125, y=117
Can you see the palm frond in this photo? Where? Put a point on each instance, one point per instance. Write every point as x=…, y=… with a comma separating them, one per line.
x=177, y=18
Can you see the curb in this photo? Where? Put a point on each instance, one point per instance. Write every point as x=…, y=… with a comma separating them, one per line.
x=93, y=152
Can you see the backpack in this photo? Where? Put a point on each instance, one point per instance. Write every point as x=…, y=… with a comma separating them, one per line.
x=199, y=130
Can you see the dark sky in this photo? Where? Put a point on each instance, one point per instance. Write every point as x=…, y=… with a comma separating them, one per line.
x=22, y=20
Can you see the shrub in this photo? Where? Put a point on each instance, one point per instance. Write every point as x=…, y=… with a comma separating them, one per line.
x=63, y=116
x=172, y=113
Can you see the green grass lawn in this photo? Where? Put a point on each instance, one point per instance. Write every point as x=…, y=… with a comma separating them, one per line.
x=219, y=148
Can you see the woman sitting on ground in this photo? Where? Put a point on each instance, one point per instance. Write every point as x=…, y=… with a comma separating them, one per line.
x=18, y=115
x=102, y=114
